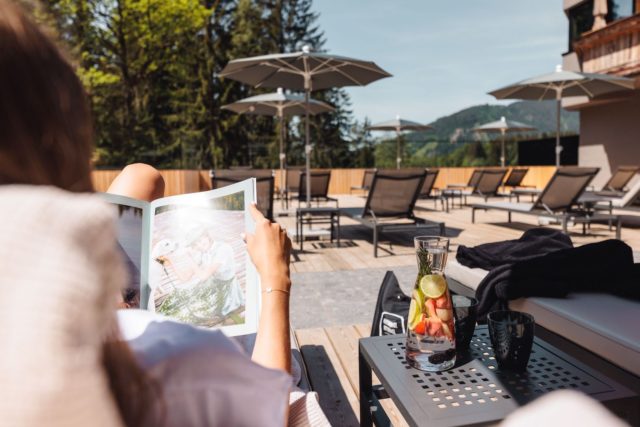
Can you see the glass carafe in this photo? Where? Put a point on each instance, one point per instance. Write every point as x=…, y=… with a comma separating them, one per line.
x=431, y=338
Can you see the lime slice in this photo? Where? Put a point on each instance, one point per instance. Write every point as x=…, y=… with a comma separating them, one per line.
x=415, y=314
x=419, y=297
x=433, y=285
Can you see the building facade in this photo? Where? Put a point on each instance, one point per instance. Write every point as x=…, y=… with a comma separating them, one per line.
x=604, y=37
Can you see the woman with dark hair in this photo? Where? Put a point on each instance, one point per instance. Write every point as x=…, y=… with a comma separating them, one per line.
x=46, y=140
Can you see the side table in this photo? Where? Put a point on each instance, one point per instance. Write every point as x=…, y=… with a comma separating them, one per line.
x=475, y=391
x=319, y=215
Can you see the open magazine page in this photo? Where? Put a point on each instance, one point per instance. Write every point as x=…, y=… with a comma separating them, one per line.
x=199, y=268
x=132, y=228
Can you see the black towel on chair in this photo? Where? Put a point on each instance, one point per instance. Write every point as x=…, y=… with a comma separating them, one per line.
x=597, y=267
x=532, y=243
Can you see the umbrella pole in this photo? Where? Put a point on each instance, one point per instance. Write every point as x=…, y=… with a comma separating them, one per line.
x=558, y=146
x=281, y=156
x=307, y=147
x=398, y=159
x=502, y=153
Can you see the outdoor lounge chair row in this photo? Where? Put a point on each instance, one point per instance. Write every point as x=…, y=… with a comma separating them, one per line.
x=616, y=186
x=265, y=186
x=559, y=201
x=484, y=183
x=476, y=184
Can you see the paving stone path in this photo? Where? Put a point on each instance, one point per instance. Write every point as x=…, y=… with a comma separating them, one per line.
x=344, y=297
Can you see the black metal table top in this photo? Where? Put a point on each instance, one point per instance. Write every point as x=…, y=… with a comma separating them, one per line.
x=475, y=390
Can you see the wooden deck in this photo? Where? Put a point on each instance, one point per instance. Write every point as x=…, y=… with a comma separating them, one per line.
x=331, y=353
x=356, y=250
x=331, y=357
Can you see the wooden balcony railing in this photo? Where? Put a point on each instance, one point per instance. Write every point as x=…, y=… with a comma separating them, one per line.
x=614, y=49
x=191, y=181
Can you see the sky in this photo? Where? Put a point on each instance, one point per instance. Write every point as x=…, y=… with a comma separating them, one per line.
x=445, y=55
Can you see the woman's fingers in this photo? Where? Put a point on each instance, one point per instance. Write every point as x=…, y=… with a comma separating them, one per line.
x=257, y=215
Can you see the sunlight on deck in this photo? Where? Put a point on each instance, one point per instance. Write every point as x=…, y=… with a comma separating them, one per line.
x=356, y=249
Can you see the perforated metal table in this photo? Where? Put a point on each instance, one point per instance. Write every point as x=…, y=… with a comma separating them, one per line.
x=475, y=391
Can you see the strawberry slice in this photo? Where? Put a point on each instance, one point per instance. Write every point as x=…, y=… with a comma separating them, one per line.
x=430, y=305
x=421, y=327
x=443, y=301
x=435, y=327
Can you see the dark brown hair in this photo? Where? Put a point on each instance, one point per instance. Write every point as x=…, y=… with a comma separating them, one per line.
x=46, y=139
x=45, y=123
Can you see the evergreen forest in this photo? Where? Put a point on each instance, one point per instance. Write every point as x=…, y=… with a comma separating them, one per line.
x=151, y=69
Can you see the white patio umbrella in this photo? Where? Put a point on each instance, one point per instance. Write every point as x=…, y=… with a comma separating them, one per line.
x=561, y=84
x=304, y=71
x=279, y=104
x=398, y=125
x=503, y=126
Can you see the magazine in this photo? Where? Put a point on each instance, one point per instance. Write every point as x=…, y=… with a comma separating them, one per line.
x=186, y=257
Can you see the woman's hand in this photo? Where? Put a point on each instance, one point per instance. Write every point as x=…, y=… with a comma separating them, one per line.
x=270, y=250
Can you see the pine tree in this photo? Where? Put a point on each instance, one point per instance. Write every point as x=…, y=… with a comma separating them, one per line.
x=151, y=70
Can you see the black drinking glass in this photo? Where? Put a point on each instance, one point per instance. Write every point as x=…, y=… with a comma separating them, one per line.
x=511, y=335
x=465, y=312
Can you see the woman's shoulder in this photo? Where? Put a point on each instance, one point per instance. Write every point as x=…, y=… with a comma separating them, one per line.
x=206, y=378
x=154, y=338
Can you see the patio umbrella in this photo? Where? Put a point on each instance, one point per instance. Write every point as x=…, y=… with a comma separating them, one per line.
x=304, y=71
x=503, y=126
x=398, y=125
x=561, y=84
x=278, y=104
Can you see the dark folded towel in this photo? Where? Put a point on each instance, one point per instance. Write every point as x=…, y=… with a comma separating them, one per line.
x=532, y=243
x=597, y=267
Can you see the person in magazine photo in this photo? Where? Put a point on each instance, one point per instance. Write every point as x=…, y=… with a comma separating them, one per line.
x=213, y=292
x=198, y=265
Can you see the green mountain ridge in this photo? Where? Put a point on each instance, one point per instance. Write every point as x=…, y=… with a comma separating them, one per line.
x=451, y=142
x=539, y=114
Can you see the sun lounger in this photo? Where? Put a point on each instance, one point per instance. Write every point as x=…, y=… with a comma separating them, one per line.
x=628, y=200
x=319, y=187
x=486, y=185
x=428, y=191
x=473, y=179
x=366, y=181
x=558, y=201
x=614, y=188
x=618, y=182
x=264, y=184
x=514, y=182
x=292, y=182
x=585, y=319
x=515, y=177
x=519, y=192
x=390, y=203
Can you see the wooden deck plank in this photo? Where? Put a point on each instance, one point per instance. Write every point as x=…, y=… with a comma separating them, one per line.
x=345, y=343
x=327, y=376
x=390, y=408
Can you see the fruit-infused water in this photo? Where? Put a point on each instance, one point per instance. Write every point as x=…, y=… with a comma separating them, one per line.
x=431, y=342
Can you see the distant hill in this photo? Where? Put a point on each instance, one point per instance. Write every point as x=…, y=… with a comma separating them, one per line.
x=539, y=114
x=449, y=132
